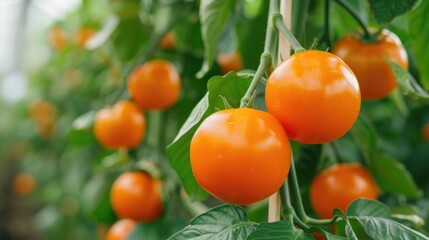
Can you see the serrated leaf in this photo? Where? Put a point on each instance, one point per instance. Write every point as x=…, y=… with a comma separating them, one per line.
x=386, y=10
x=214, y=15
x=232, y=87
x=223, y=222
x=382, y=228
x=407, y=83
x=278, y=230
x=365, y=207
x=419, y=33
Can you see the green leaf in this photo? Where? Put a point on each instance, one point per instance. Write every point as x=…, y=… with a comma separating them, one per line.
x=147, y=231
x=327, y=234
x=419, y=33
x=390, y=175
x=386, y=10
x=365, y=207
x=231, y=87
x=409, y=86
x=81, y=132
x=214, y=15
x=382, y=228
x=278, y=230
x=223, y=222
x=393, y=177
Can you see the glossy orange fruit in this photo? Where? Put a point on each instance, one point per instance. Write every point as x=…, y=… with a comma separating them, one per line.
x=168, y=41
x=122, y=126
x=241, y=156
x=155, y=85
x=340, y=185
x=120, y=230
x=57, y=38
x=24, y=184
x=137, y=196
x=314, y=95
x=367, y=60
x=230, y=62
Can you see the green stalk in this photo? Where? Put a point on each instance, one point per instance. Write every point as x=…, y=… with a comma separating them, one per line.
x=352, y=12
x=326, y=36
x=266, y=57
x=280, y=25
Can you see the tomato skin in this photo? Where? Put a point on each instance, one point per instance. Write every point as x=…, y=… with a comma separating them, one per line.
x=122, y=126
x=315, y=96
x=137, y=196
x=338, y=186
x=168, y=41
x=24, y=184
x=120, y=230
x=57, y=38
x=367, y=60
x=230, y=62
x=155, y=85
x=241, y=156
x=83, y=35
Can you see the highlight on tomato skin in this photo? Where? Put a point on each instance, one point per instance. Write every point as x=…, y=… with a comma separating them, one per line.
x=368, y=62
x=339, y=185
x=240, y=156
x=121, y=126
x=314, y=95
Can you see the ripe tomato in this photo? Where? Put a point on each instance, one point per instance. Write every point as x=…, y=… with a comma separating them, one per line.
x=43, y=113
x=315, y=96
x=83, y=35
x=137, y=196
x=168, y=41
x=240, y=156
x=230, y=62
x=338, y=186
x=24, y=184
x=155, y=85
x=57, y=38
x=122, y=126
x=120, y=230
x=425, y=132
x=367, y=60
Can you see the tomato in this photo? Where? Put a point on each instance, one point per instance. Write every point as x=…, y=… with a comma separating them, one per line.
x=230, y=62
x=120, y=230
x=425, y=132
x=241, y=156
x=122, y=126
x=155, y=85
x=43, y=113
x=137, y=196
x=83, y=35
x=319, y=236
x=57, y=38
x=168, y=41
x=315, y=96
x=338, y=186
x=24, y=184
x=367, y=60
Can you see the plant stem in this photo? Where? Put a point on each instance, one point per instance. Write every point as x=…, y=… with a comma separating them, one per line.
x=352, y=12
x=280, y=25
x=287, y=209
x=326, y=35
x=266, y=57
x=301, y=214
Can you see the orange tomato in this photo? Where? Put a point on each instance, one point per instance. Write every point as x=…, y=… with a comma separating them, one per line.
x=44, y=114
x=241, y=156
x=155, y=85
x=120, y=230
x=367, y=60
x=168, y=41
x=24, y=184
x=319, y=236
x=230, y=62
x=425, y=132
x=338, y=186
x=137, y=196
x=57, y=38
x=122, y=126
x=83, y=35
x=315, y=96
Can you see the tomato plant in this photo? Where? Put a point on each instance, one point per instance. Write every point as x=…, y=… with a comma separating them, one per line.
x=214, y=119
